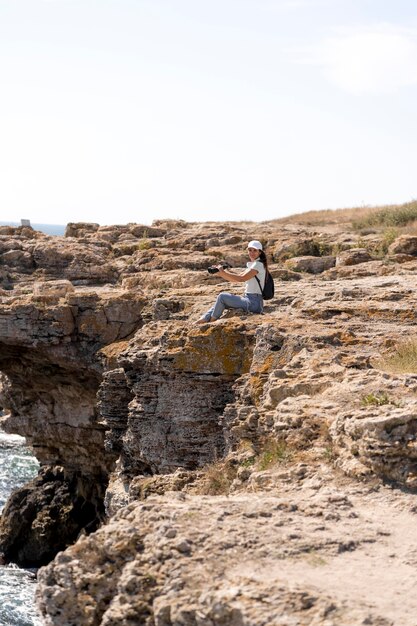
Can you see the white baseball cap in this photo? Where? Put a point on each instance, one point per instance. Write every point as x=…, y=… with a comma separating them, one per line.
x=255, y=244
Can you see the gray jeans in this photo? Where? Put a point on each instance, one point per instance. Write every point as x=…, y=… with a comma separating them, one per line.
x=250, y=302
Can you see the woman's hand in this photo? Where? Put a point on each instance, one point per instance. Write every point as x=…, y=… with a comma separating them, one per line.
x=236, y=278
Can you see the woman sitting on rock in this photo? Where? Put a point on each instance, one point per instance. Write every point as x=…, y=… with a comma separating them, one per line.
x=251, y=301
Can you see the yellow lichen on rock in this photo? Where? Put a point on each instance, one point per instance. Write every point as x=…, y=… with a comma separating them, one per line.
x=224, y=348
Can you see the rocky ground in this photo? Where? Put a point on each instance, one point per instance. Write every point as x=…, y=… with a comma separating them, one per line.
x=311, y=550
x=258, y=470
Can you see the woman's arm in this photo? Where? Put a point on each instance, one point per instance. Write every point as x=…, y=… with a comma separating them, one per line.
x=237, y=278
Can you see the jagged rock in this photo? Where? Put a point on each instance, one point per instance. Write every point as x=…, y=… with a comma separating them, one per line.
x=163, y=308
x=79, y=229
x=143, y=487
x=49, y=354
x=140, y=231
x=127, y=248
x=310, y=264
x=316, y=247
x=4, y=279
x=371, y=268
x=47, y=514
x=114, y=396
x=283, y=274
x=401, y=258
x=18, y=259
x=354, y=256
x=379, y=440
x=7, y=230
x=23, y=232
x=53, y=288
x=8, y=244
x=405, y=244
x=74, y=261
x=186, y=377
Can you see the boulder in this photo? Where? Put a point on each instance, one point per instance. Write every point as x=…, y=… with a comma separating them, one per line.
x=405, y=244
x=354, y=256
x=310, y=264
x=18, y=259
x=300, y=247
x=78, y=229
x=401, y=258
x=75, y=261
x=55, y=288
x=140, y=231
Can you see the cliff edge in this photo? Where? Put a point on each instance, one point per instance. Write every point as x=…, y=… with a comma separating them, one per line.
x=255, y=470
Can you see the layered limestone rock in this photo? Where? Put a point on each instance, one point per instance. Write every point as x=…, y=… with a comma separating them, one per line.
x=178, y=382
x=51, y=374
x=122, y=396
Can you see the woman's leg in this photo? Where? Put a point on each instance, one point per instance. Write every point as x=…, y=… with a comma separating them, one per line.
x=255, y=303
x=228, y=301
x=231, y=301
x=207, y=316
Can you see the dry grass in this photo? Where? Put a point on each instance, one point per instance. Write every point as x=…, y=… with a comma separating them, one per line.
x=327, y=216
x=379, y=248
x=397, y=215
x=411, y=228
x=360, y=218
x=402, y=360
x=217, y=479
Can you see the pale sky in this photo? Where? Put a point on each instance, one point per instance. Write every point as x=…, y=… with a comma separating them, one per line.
x=118, y=111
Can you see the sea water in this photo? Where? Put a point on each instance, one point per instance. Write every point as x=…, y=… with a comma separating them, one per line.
x=48, y=229
x=17, y=585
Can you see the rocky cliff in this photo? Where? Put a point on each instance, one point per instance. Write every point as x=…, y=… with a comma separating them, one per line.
x=233, y=470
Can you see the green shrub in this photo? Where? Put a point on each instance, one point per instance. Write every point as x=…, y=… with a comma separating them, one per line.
x=273, y=451
x=389, y=236
x=144, y=244
x=379, y=248
x=376, y=399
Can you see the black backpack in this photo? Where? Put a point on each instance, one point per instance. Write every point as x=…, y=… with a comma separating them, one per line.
x=269, y=287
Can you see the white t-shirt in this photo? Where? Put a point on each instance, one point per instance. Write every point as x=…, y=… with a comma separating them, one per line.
x=251, y=285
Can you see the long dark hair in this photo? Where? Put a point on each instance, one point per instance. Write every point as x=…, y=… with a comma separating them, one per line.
x=263, y=259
